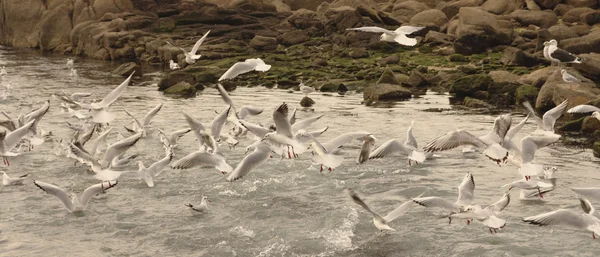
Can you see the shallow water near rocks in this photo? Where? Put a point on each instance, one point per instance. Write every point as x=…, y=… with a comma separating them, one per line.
x=282, y=208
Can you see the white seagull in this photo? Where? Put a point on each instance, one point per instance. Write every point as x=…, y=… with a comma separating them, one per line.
x=173, y=65
x=8, y=181
x=191, y=56
x=8, y=141
x=147, y=122
x=560, y=56
x=529, y=145
x=546, y=123
x=248, y=65
x=381, y=223
x=171, y=139
x=70, y=63
x=257, y=157
x=365, y=149
x=487, y=216
x=283, y=135
x=324, y=157
x=72, y=202
x=583, y=221
x=466, y=195
x=99, y=113
x=150, y=173
x=568, y=77
x=201, y=208
x=409, y=147
x=584, y=108
x=398, y=35
x=306, y=89
x=202, y=159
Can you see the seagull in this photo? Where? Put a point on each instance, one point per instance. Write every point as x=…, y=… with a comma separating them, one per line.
x=218, y=123
x=202, y=159
x=70, y=64
x=529, y=146
x=206, y=140
x=8, y=141
x=380, y=223
x=568, y=77
x=409, y=147
x=324, y=157
x=191, y=57
x=99, y=113
x=398, y=35
x=546, y=123
x=486, y=215
x=143, y=127
x=171, y=140
x=150, y=173
x=490, y=143
x=111, y=155
x=173, y=65
x=560, y=56
x=243, y=67
x=584, y=108
x=257, y=157
x=548, y=176
x=586, y=221
x=201, y=208
x=305, y=89
x=283, y=135
x=365, y=149
x=73, y=74
x=529, y=184
x=465, y=197
x=545, y=51
x=8, y=181
x=72, y=202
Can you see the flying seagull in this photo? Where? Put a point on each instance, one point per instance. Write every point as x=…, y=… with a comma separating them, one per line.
x=191, y=56
x=398, y=35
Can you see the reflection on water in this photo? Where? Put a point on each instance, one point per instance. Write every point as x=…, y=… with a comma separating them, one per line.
x=283, y=208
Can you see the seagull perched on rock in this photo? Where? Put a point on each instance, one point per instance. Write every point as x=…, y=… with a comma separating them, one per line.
x=398, y=35
x=173, y=65
x=560, y=56
x=568, y=77
x=191, y=56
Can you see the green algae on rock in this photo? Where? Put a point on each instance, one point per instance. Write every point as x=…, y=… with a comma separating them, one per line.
x=182, y=89
x=469, y=85
x=526, y=93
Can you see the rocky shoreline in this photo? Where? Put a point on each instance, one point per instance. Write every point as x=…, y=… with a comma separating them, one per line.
x=487, y=53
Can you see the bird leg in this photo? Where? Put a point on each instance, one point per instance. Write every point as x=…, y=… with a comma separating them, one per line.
x=288, y=152
x=294, y=152
x=540, y=193
x=495, y=231
x=490, y=230
x=468, y=222
x=417, y=163
x=223, y=172
x=409, y=163
x=593, y=235
x=6, y=161
x=329, y=169
x=449, y=220
x=321, y=168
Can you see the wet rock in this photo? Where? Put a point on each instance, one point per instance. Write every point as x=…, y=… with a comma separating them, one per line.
x=182, y=89
x=560, y=32
x=175, y=77
x=263, y=43
x=387, y=77
x=468, y=85
x=537, y=75
x=392, y=59
x=307, y=102
x=516, y=57
x=583, y=3
x=458, y=58
x=501, y=6
x=429, y=18
x=526, y=93
x=126, y=69
x=416, y=79
x=572, y=125
x=333, y=87
x=293, y=37
x=453, y=8
x=386, y=92
x=547, y=4
x=320, y=62
x=501, y=76
x=590, y=67
x=574, y=15
x=541, y=19
x=475, y=103
x=596, y=149
x=229, y=85
x=479, y=30
x=555, y=90
x=502, y=93
x=358, y=52
x=590, y=124
x=586, y=44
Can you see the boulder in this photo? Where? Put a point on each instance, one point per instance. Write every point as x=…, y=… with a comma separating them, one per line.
x=370, y=12
x=126, y=69
x=55, y=28
x=263, y=43
x=439, y=38
x=340, y=19
x=526, y=93
x=469, y=85
x=596, y=149
x=387, y=77
x=475, y=103
x=561, y=9
x=543, y=19
x=458, y=58
x=501, y=6
x=502, y=76
x=293, y=37
x=429, y=18
x=547, y=4
x=502, y=93
x=416, y=79
x=590, y=124
x=479, y=30
x=586, y=44
x=555, y=91
x=319, y=62
x=182, y=89
x=515, y=57
x=254, y=5
x=583, y=3
x=590, y=68
x=175, y=77
x=386, y=92
x=574, y=15
x=404, y=11
x=307, y=102
x=591, y=18
x=452, y=9
x=392, y=59
x=532, y=5
x=304, y=19
x=333, y=87
x=560, y=32
x=358, y=52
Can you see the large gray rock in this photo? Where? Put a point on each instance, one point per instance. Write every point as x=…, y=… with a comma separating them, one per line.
x=452, y=9
x=263, y=43
x=547, y=4
x=574, y=15
x=341, y=18
x=590, y=67
x=404, y=11
x=555, y=91
x=55, y=29
x=586, y=44
x=516, y=57
x=543, y=19
x=502, y=6
x=583, y=3
x=431, y=18
x=386, y=92
x=479, y=30
x=560, y=32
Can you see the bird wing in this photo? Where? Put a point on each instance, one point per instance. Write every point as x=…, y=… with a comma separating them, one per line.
x=195, y=125
x=343, y=139
x=466, y=190
x=241, y=68
x=198, y=43
x=257, y=130
x=156, y=168
x=99, y=140
x=531, y=143
x=246, y=111
x=499, y=206
x=113, y=95
x=360, y=202
x=282, y=123
x=537, y=119
x=120, y=147
x=15, y=136
x=434, y=201
x=292, y=117
x=373, y=29
x=559, y=217
x=407, y=29
x=452, y=140
x=586, y=206
x=410, y=139
x=177, y=134
x=137, y=122
x=251, y=161
x=399, y=211
x=550, y=117
x=583, y=108
x=201, y=159
x=225, y=95
x=389, y=147
x=60, y=193
x=93, y=190
x=218, y=122
x=515, y=129
x=501, y=126
x=494, y=222
x=150, y=115
x=305, y=123
x=77, y=96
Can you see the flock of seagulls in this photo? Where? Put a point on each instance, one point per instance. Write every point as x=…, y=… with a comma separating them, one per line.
x=291, y=138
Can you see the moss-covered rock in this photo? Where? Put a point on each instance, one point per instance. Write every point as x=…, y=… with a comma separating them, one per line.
x=388, y=77
x=596, y=149
x=502, y=94
x=182, y=89
x=526, y=93
x=458, y=58
x=307, y=102
x=475, y=103
x=126, y=69
x=573, y=125
x=332, y=87
x=590, y=124
x=386, y=92
x=468, y=85
x=175, y=77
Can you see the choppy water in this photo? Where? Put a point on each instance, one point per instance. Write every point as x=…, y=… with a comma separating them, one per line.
x=282, y=208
